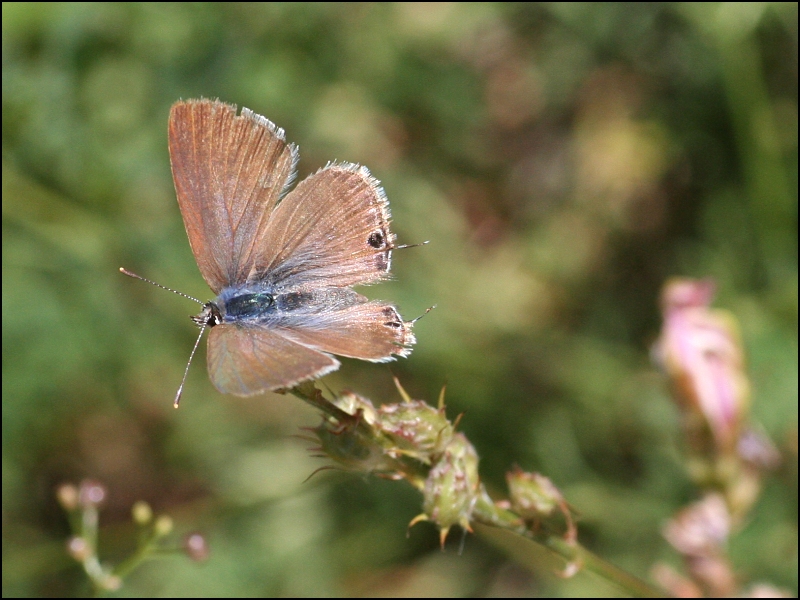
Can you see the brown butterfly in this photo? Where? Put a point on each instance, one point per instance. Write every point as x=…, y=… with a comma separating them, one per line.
x=281, y=262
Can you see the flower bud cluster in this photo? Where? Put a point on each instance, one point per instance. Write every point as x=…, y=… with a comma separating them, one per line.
x=701, y=352
x=82, y=504
x=407, y=440
x=414, y=441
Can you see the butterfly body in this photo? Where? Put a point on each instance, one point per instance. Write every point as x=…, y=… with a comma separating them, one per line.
x=281, y=262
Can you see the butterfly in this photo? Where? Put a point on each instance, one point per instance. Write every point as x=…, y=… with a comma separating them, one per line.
x=281, y=261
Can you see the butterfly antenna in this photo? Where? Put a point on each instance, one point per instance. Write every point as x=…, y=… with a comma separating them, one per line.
x=135, y=276
x=186, y=370
x=404, y=246
x=412, y=321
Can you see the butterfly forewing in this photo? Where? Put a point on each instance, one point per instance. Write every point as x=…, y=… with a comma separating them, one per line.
x=332, y=230
x=229, y=173
x=249, y=360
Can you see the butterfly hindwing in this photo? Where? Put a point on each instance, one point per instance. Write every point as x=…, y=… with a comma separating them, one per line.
x=371, y=331
x=246, y=360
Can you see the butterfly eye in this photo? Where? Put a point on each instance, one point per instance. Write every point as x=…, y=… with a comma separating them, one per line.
x=376, y=239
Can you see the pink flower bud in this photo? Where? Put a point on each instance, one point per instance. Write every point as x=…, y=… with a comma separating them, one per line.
x=699, y=532
x=78, y=548
x=196, y=547
x=700, y=529
x=91, y=493
x=701, y=352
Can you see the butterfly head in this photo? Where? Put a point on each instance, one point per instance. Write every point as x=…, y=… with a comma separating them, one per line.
x=209, y=316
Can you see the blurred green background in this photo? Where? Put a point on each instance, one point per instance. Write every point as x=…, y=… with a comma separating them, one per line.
x=563, y=160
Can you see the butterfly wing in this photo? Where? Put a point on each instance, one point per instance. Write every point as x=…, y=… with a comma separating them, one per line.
x=343, y=322
x=329, y=233
x=229, y=172
x=332, y=230
x=246, y=360
x=372, y=331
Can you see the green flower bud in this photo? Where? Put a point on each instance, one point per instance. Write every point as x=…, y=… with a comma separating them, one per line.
x=163, y=526
x=352, y=403
x=350, y=448
x=532, y=495
x=417, y=429
x=451, y=489
x=142, y=513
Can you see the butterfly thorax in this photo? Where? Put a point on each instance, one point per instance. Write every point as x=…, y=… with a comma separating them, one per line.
x=254, y=305
x=263, y=306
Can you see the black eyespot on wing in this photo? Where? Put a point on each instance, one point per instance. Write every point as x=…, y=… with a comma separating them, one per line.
x=377, y=240
x=392, y=317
